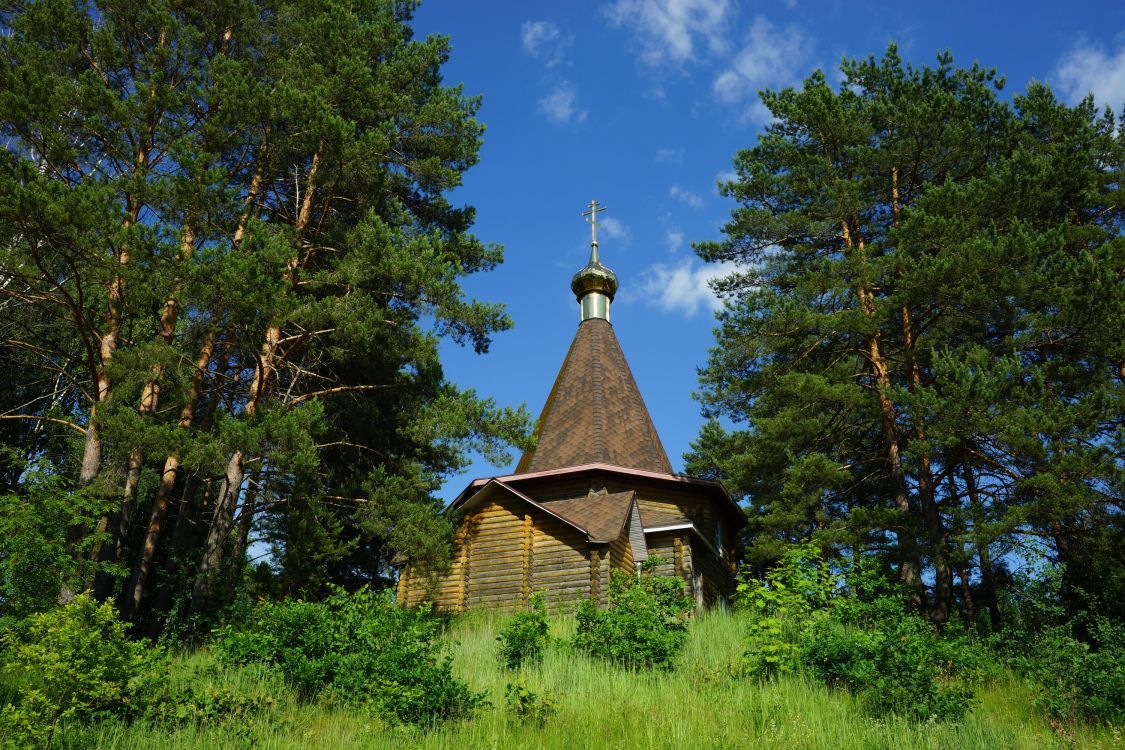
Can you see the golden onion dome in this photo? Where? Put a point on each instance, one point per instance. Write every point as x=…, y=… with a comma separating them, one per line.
x=594, y=277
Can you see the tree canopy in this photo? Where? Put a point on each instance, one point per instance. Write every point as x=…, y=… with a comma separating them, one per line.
x=921, y=351
x=227, y=258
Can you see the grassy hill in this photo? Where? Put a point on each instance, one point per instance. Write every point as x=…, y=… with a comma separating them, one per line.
x=597, y=705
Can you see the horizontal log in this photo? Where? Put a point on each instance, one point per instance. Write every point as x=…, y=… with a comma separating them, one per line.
x=487, y=562
x=492, y=594
x=498, y=534
x=506, y=551
x=506, y=596
x=496, y=578
x=570, y=594
x=558, y=579
x=491, y=557
x=498, y=519
x=505, y=533
x=495, y=542
x=559, y=549
x=555, y=565
x=496, y=514
x=563, y=553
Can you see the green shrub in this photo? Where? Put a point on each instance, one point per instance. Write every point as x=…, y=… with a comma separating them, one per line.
x=528, y=707
x=897, y=666
x=1075, y=680
x=525, y=636
x=802, y=616
x=36, y=561
x=781, y=605
x=75, y=664
x=644, y=624
x=210, y=694
x=362, y=649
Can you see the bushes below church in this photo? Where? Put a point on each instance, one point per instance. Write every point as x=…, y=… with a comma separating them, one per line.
x=360, y=649
x=853, y=631
x=804, y=618
x=644, y=625
x=73, y=666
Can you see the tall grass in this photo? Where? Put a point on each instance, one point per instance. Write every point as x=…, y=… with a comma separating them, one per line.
x=701, y=704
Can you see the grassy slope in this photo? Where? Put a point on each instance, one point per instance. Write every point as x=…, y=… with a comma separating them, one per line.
x=600, y=706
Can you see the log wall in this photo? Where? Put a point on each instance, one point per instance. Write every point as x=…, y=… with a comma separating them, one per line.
x=507, y=550
x=560, y=567
x=497, y=570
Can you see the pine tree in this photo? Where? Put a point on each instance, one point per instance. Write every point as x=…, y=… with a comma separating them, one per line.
x=241, y=210
x=877, y=273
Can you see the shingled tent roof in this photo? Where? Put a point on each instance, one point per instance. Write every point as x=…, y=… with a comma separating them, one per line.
x=595, y=413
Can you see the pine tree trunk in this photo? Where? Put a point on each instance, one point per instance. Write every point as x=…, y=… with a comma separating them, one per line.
x=987, y=578
x=107, y=347
x=139, y=580
x=931, y=514
x=245, y=522
x=967, y=596
x=909, y=564
x=227, y=501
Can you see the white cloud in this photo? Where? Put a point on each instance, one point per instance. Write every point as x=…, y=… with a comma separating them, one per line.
x=1089, y=69
x=683, y=287
x=770, y=58
x=616, y=230
x=675, y=239
x=668, y=155
x=543, y=41
x=561, y=105
x=686, y=196
x=669, y=31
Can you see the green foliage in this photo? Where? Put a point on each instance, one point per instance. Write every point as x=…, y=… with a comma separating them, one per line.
x=895, y=663
x=75, y=664
x=921, y=346
x=524, y=637
x=644, y=624
x=805, y=617
x=1071, y=658
x=781, y=605
x=1074, y=680
x=206, y=694
x=528, y=707
x=598, y=705
x=360, y=648
x=35, y=560
x=241, y=213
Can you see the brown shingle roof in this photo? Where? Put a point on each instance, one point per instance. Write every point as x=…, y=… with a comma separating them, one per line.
x=595, y=413
x=601, y=516
x=654, y=518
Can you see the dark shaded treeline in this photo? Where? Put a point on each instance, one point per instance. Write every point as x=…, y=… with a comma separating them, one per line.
x=226, y=261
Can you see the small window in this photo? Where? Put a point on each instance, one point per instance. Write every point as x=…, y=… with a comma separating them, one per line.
x=719, y=536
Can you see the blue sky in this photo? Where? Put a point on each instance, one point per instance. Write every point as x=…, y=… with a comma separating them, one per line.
x=642, y=104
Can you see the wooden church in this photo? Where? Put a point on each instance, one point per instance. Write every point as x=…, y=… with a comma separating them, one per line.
x=596, y=494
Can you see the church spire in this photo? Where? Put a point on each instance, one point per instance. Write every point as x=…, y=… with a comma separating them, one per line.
x=594, y=285
x=595, y=413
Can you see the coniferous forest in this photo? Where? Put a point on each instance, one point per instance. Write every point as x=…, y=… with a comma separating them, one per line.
x=228, y=258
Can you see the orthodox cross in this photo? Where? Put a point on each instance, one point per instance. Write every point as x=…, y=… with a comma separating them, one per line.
x=595, y=209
